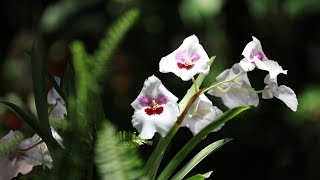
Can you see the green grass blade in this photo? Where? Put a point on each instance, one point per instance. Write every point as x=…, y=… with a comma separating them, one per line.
x=199, y=157
x=173, y=164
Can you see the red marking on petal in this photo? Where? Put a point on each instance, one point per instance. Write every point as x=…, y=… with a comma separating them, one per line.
x=154, y=111
x=158, y=110
x=185, y=66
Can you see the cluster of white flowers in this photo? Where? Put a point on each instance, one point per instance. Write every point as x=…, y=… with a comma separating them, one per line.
x=32, y=151
x=156, y=108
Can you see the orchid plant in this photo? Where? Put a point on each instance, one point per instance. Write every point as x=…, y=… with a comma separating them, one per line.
x=75, y=110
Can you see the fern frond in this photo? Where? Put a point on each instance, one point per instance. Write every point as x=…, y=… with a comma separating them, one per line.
x=131, y=140
x=107, y=46
x=9, y=145
x=113, y=160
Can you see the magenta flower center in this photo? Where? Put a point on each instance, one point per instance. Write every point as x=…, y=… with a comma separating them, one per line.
x=186, y=60
x=153, y=105
x=257, y=54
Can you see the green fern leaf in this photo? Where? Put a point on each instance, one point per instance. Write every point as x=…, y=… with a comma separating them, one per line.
x=113, y=37
x=130, y=140
x=113, y=160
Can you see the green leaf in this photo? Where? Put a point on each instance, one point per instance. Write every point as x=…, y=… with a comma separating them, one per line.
x=200, y=176
x=199, y=157
x=195, y=140
x=40, y=94
x=112, y=159
x=152, y=165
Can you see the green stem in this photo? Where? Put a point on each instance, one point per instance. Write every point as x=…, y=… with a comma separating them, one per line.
x=195, y=85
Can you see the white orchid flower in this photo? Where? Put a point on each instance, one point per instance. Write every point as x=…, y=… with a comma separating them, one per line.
x=156, y=109
x=235, y=93
x=255, y=57
x=186, y=61
x=200, y=114
x=281, y=92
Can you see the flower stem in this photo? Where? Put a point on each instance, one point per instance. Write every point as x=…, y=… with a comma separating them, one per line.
x=195, y=84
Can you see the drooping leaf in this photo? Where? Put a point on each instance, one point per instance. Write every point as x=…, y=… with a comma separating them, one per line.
x=199, y=157
x=32, y=122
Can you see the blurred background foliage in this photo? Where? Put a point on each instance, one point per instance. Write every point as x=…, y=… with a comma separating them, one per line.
x=270, y=141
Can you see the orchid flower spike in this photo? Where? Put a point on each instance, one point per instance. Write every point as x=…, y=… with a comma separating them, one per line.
x=200, y=114
x=281, y=92
x=156, y=109
x=235, y=93
x=186, y=61
x=255, y=57
x=59, y=106
x=26, y=155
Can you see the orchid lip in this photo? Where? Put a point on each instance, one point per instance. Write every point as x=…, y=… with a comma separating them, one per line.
x=257, y=54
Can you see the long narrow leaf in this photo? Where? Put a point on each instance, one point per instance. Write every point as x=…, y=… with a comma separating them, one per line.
x=40, y=95
x=199, y=157
x=228, y=115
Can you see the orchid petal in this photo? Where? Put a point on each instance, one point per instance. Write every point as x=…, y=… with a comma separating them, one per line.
x=188, y=50
x=148, y=125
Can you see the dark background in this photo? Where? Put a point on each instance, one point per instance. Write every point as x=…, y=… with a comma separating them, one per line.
x=270, y=141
